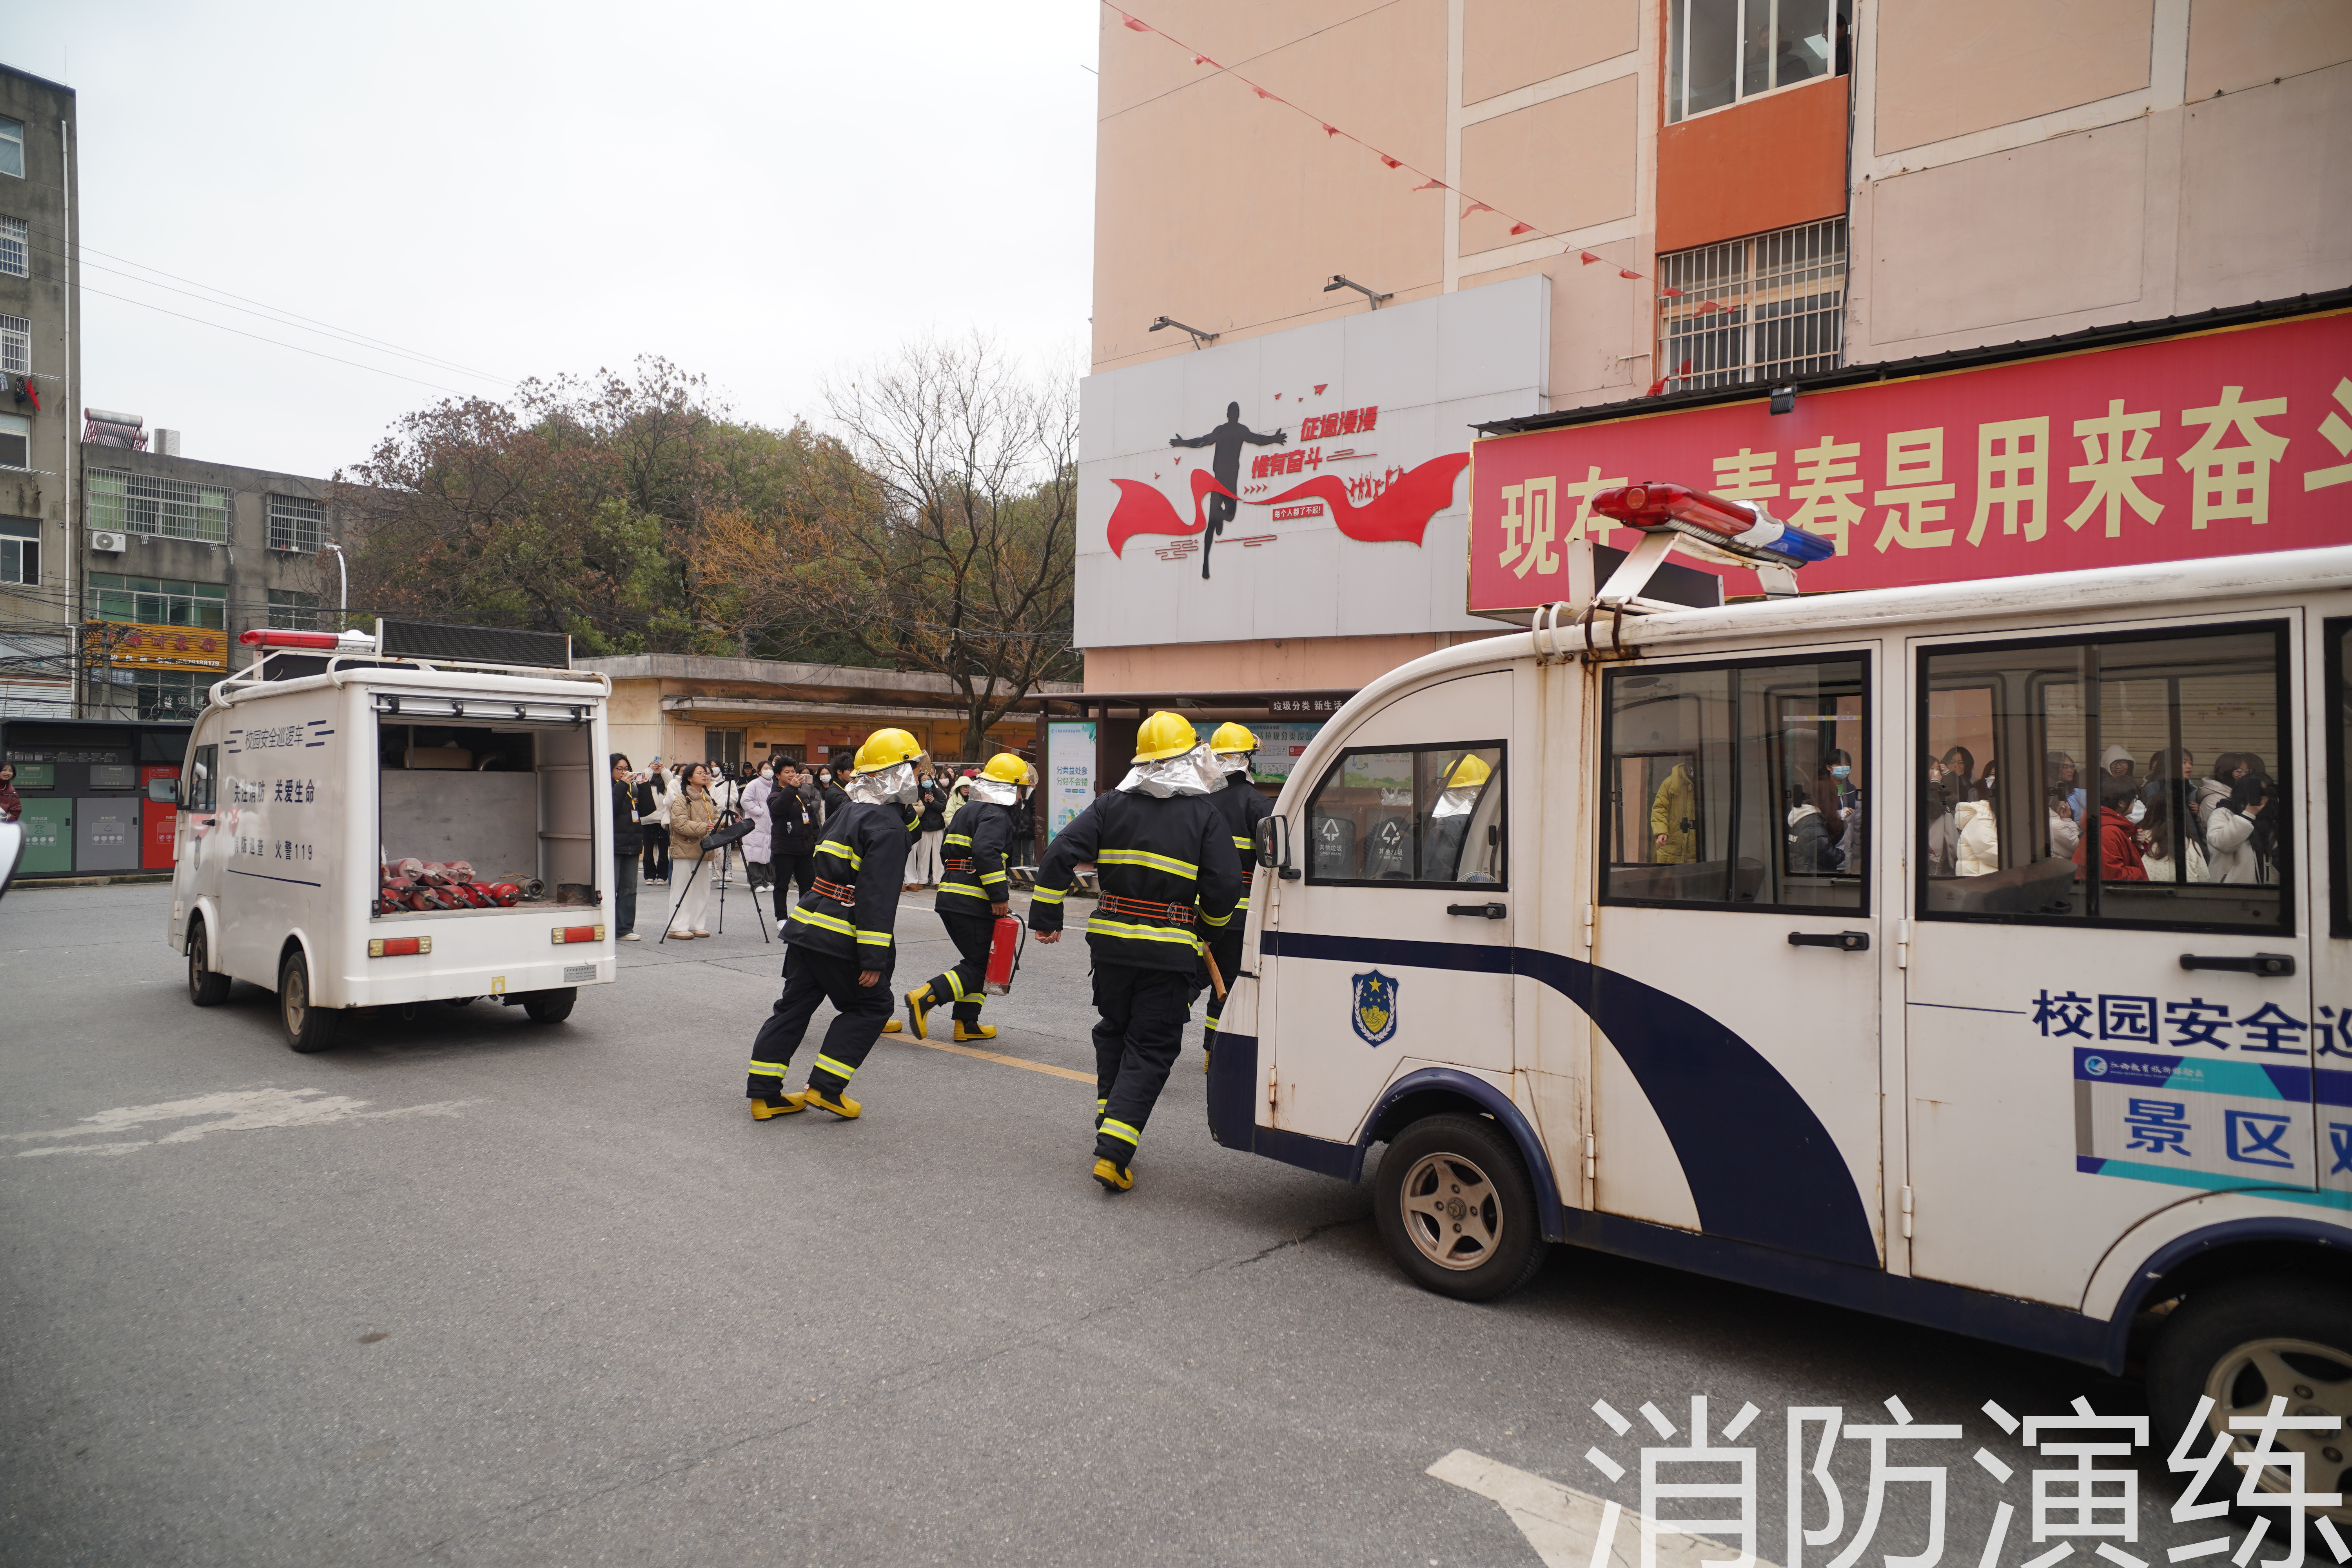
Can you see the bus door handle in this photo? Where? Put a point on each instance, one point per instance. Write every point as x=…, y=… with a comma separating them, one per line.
x=2269, y=965
x=1844, y=940
x=1481, y=912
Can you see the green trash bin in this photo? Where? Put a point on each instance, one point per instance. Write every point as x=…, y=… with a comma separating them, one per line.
x=49, y=838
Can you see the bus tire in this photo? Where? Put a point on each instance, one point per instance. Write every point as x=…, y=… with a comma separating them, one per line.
x=309, y=1027
x=207, y=987
x=2243, y=1342
x=1456, y=1209
x=550, y=1006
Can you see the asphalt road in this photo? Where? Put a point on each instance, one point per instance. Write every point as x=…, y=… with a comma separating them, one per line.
x=467, y=1290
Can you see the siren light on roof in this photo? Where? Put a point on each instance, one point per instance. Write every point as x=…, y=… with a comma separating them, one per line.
x=1742, y=531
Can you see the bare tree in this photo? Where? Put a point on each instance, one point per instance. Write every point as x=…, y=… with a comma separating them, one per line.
x=948, y=546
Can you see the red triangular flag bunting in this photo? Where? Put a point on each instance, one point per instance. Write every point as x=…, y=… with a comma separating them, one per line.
x=1433, y=185
x=1708, y=308
x=1391, y=163
x=1655, y=387
x=1139, y=26
x=1622, y=273
x=1262, y=92
x=1670, y=293
x=1330, y=130
x=1523, y=229
x=1319, y=386
x=1476, y=207
x=1587, y=258
x=1205, y=60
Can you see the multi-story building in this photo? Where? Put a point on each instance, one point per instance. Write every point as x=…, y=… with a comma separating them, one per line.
x=1332, y=243
x=179, y=557
x=40, y=372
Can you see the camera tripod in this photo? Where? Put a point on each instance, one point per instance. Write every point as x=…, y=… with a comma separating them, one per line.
x=731, y=818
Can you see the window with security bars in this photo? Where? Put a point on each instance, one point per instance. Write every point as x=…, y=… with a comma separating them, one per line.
x=296, y=523
x=150, y=503
x=1762, y=308
x=156, y=600
x=292, y=612
x=16, y=345
x=15, y=245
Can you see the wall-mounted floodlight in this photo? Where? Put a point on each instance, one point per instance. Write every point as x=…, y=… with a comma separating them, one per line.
x=1784, y=399
x=1200, y=338
x=1340, y=280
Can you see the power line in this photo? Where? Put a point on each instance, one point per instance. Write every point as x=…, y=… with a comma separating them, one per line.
x=284, y=316
x=257, y=337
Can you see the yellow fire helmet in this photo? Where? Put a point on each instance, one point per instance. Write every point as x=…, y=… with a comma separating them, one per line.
x=1468, y=773
x=1006, y=768
x=887, y=749
x=1233, y=737
x=1164, y=735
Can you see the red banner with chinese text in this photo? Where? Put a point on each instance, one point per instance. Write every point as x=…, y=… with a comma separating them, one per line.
x=2216, y=444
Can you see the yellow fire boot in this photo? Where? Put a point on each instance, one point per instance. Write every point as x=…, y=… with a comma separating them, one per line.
x=846, y=1107
x=1115, y=1178
x=766, y=1110
x=892, y=1027
x=968, y=1032
x=919, y=1008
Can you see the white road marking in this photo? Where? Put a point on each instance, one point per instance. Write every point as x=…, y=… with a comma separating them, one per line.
x=1569, y=1528
x=234, y=1110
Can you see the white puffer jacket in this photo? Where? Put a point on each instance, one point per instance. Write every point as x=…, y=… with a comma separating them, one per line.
x=1978, y=850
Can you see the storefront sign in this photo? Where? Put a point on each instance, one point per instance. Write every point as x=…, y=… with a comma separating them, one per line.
x=1069, y=782
x=130, y=646
x=1306, y=483
x=2217, y=444
x=1279, y=747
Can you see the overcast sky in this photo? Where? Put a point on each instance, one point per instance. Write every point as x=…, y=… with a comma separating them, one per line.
x=762, y=192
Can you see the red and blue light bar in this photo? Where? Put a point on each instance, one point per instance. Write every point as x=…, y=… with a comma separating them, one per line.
x=1738, y=528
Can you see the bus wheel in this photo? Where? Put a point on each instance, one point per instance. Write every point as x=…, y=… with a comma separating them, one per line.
x=207, y=987
x=2246, y=1342
x=550, y=1006
x=307, y=1028
x=1456, y=1208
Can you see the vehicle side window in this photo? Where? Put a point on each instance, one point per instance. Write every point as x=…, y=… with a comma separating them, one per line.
x=1742, y=785
x=200, y=779
x=2338, y=726
x=1426, y=815
x=2118, y=781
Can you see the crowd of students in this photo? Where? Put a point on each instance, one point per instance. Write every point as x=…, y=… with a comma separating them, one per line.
x=2168, y=823
x=662, y=813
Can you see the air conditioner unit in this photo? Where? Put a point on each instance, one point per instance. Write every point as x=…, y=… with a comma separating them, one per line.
x=107, y=542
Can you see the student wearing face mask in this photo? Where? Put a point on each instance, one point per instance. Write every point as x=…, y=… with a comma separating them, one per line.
x=758, y=848
x=1842, y=802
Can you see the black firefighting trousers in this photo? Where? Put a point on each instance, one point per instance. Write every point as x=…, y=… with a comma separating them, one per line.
x=1142, y=1028
x=965, y=984
x=811, y=978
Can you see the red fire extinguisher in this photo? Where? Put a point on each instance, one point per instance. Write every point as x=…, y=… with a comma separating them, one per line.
x=1005, y=954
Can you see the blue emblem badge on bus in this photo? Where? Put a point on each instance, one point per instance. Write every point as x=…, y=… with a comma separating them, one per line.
x=1375, y=1011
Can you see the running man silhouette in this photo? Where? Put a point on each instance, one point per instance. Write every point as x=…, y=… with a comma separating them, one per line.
x=1227, y=466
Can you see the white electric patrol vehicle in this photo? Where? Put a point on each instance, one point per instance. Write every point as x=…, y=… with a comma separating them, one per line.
x=1922, y=951
x=315, y=776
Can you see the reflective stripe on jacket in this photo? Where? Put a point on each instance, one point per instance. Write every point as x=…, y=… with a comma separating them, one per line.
x=1176, y=854
x=864, y=849
x=972, y=857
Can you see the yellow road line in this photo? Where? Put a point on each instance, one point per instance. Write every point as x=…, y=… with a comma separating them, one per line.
x=992, y=1057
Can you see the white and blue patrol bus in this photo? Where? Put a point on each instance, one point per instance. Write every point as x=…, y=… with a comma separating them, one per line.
x=1924, y=951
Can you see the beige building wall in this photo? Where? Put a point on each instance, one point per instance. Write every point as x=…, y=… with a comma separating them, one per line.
x=2022, y=170
x=2013, y=170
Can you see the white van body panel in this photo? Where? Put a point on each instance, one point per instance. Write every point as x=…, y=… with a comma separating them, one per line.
x=1913, y=1126
x=288, y=851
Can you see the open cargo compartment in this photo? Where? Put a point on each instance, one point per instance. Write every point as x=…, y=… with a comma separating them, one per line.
x=514, y=798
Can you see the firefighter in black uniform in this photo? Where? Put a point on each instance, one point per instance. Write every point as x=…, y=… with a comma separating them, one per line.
x=1243, y=807
x=840, y=943
x=1165, y=856
x=973, y=894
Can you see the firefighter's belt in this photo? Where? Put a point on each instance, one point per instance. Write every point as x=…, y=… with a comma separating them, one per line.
x=1176, y=914
x=836, y=893
x=952, y=864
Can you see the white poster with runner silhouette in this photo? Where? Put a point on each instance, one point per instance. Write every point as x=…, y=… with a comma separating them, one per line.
x=1306, y=483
